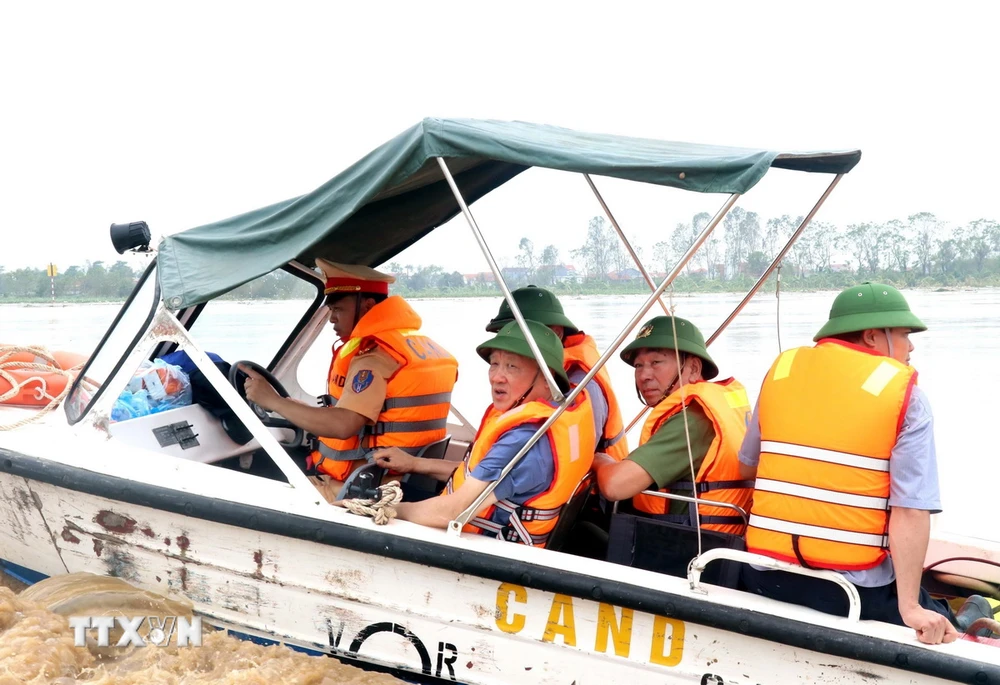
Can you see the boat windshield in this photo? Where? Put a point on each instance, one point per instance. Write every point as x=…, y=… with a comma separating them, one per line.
x=128, y=327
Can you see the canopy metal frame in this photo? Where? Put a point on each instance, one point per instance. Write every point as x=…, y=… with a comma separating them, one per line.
x=775, y=263
x=550, y=380
x=625, y=241
x=455, y=526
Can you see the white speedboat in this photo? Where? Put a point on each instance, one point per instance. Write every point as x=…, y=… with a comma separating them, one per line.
x=188, y=505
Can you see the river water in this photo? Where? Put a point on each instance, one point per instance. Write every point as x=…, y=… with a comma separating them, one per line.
x=957, y=359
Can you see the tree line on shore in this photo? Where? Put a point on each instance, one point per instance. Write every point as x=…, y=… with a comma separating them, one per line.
x=920, y=251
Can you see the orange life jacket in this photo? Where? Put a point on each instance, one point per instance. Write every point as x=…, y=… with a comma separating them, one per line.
x=726, y=405
x=418, y=396
x=580, y=352
x=829, y=418
x=571, y=439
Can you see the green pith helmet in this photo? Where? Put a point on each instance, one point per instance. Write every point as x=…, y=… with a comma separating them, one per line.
x=869, y=305
x=658, y=333
x=511, y=339
x=537, y=304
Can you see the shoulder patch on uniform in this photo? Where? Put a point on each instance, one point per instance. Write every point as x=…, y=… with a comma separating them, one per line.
x=362, y=379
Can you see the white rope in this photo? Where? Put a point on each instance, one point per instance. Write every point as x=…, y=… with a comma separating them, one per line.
x=382, y=509
x=48, y=366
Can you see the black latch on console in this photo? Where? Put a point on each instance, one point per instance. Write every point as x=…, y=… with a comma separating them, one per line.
x=176, y=434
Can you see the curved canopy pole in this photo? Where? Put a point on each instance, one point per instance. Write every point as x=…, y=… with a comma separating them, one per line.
x=777, y=260
x=628, y=245
x=455, y=527
x=760, y=281
x=557, y=395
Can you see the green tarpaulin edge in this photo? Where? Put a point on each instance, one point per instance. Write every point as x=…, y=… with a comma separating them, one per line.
x=396, y=194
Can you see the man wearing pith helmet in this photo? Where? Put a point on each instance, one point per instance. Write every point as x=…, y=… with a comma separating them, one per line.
x=692, y=421
x=841, y=438
x=580, y=355
x=526, y=504
x=391, y=385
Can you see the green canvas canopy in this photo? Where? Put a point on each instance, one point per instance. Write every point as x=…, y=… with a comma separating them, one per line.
x=397, y=194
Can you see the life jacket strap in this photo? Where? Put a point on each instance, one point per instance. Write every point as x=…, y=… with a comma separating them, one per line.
x=611, y=442
x=514, y=531
x=709, y=486
x=525, y=513
x=416, y=401
x=688, y=519
x=383, y=427
x=327, y=452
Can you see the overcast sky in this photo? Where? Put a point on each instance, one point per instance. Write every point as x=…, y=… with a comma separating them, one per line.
x=185, y=113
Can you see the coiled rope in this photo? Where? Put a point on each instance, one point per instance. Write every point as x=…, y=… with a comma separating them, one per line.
x=382, y=508
x=48, y=365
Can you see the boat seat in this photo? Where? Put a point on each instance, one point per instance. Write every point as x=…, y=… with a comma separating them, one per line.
x=654, y=545
x=364, y=480
x=417, y=486
x=568, y=516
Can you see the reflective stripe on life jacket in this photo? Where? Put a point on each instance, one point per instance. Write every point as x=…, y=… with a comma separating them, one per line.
x=418, y=395
x=580, y=352
x=571, y=439
x=829, y=419
x=726, y=405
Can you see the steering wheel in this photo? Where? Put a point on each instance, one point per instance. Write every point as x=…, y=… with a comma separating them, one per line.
x=238, y=377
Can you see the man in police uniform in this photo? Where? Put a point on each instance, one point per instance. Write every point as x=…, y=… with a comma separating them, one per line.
x=692, y=422
x=841, y=437
x=391, y=385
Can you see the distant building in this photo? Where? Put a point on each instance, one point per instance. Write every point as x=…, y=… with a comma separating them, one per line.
x=561, y=273
x=624, y=276
x=841, y=264
x=481, y=278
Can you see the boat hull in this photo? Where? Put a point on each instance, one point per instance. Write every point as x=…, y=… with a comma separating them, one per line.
x=416, y=606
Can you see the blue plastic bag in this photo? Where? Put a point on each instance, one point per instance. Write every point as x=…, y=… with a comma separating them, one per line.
x=156, y=386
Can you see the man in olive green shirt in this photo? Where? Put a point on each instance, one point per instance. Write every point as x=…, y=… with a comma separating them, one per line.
x=663, y=457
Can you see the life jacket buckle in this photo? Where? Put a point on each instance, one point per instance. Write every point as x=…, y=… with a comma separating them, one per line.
x=510, y=534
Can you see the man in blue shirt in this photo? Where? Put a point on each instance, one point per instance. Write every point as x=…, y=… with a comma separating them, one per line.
x=869, y=319
x=522, y=401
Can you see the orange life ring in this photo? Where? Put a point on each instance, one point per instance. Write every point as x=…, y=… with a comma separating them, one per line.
x=37, y=379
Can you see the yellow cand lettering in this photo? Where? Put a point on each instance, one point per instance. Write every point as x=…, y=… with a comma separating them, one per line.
x=561, y=621
x=621, y=633
x=657, y=654
x=507, y=622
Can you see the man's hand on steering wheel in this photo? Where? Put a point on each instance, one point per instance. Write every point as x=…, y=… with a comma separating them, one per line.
x=263, y=393
x=258, y=390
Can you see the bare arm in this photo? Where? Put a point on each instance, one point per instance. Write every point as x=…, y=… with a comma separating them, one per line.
x=620, y=480
x=395, y=459
x=328, y=422
x=909, y=530
x=438, y=512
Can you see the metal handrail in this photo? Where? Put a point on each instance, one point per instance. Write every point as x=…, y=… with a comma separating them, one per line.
x=628, y=245
x=455, y=526
x=515, y=310
x=696, y=500
x=698, y=564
